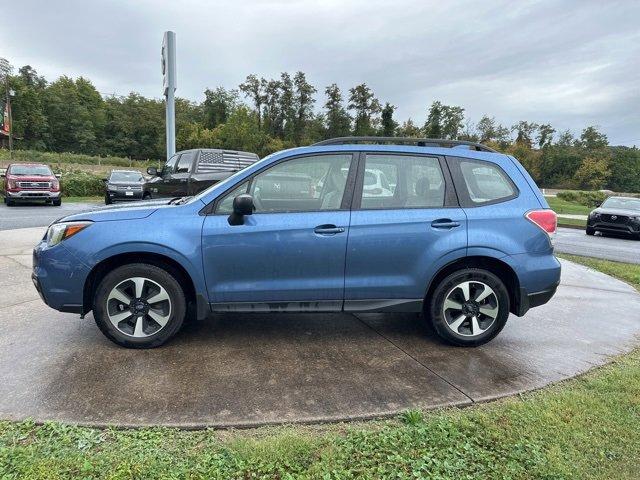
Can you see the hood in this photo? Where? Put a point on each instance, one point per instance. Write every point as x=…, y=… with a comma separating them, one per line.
x=617, y=211
x=31, y=178
x=119, y=212
x=126, y=183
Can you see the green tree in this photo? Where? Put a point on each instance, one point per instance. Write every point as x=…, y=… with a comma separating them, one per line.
x=337, y=119
x=409, y=129
x=545, y=135
x=252, y=87
x=388, y=125
x=525, y=132
x=593, y=173
x=303, y=101
x=366, y=107
x=592, y=139
x=217, y=106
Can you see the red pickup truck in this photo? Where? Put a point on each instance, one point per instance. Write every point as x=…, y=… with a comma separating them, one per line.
x=28, y=182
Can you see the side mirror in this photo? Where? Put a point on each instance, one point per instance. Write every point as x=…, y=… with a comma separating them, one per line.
x=153, y=171
x=242, y=205
x=105, y=180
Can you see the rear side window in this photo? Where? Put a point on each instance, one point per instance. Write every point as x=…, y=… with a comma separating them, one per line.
x=486, y=182
x=402, y=181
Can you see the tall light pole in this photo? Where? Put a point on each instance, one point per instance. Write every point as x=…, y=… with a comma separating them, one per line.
x=169, y=85
x=5, y=70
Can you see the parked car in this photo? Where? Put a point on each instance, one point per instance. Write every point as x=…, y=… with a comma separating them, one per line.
x=465, y=252
x=190, y=171
x=125, y=185
x=29, y=182
x=619, y=215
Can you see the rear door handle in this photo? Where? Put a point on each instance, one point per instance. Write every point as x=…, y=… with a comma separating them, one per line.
x=444, y=223
x=328, y=230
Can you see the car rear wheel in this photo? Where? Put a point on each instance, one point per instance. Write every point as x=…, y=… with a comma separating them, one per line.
x=139, y=306
x=469, y=307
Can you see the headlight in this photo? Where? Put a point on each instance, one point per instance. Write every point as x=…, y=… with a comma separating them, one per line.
x=594, y=214
x=112, y=188
x=61, y=231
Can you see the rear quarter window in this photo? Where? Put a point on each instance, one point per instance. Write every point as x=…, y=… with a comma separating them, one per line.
x=485, y=182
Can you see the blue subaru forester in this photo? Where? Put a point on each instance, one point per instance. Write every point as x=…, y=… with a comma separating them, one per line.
x=358, y=224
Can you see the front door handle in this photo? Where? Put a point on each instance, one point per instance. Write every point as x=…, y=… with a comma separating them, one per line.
x=328, y=230
x=444, y=223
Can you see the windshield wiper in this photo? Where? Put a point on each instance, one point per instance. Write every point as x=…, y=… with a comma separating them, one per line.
x=179, y=200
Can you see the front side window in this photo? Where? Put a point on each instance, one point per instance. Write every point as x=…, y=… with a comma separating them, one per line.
x=184, y=164
x=170, y=166
x=485, y=182
x=299, y=185
x=402, y=181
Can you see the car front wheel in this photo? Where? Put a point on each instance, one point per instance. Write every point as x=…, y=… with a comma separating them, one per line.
x=139, y=306
x=590, y=231
x=469, y=307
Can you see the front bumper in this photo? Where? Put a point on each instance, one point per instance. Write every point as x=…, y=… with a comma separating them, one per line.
x=628, y=228
x=59, y=277
x=33, y=195
x=122, y=195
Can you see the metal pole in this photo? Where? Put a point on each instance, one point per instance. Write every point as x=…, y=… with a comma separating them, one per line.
x=171, y=123
x=169, y=87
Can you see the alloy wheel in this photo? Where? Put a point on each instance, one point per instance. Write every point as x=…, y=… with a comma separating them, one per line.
x=138, y=307
x=470, y=308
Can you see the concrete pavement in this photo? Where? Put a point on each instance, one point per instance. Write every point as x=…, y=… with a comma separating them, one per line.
x=241, y=370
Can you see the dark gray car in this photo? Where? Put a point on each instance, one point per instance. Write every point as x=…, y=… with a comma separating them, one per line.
x=125, y=185
x=619, y=215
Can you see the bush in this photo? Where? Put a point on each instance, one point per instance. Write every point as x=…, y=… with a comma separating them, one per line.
x=588, y=199
x=81, y=184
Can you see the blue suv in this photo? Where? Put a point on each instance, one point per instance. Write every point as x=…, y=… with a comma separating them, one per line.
x=358, y=224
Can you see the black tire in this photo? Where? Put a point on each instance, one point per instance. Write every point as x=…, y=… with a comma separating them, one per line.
x=10, y=203
x=436, y=314
x=107, y=199
x=146, y=196
x=590, y=231
x=57, y=202
x=156, y=274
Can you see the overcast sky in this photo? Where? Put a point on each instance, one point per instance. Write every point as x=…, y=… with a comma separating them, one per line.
x=568, y=63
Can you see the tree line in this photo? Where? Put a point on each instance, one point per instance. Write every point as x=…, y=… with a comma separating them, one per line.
x=265, y=115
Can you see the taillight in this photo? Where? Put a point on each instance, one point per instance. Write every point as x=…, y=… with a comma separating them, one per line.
x=546, y=219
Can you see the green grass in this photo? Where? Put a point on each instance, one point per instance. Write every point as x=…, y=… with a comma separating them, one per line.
x=626, y=272
x=588, y=427
x=559, y=205
x=83, y=199
x=571, y=222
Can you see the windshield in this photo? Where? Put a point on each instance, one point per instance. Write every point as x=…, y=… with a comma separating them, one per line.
x=35, y=170
x=623, y=203
x=126, y=177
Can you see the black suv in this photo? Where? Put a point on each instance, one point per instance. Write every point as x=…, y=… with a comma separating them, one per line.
x=616, y=215
x=125, y=185
x=190, y=171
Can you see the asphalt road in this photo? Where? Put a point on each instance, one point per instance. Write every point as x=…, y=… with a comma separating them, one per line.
x=38, y=215
x=567, y=240
x=577, y=242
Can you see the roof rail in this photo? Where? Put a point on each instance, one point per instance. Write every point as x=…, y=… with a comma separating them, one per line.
x=421, y=142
